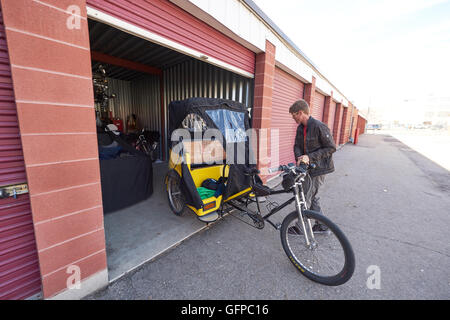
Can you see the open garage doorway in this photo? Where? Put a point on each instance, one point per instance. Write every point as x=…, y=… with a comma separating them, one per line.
x=142, y=79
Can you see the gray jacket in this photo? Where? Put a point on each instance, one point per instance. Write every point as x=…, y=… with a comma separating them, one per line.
x=319, y=146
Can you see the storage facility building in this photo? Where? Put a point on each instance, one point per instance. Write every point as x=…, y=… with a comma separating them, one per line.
x=155, y=51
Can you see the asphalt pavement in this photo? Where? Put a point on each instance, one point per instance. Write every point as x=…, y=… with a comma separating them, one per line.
x=391, y=202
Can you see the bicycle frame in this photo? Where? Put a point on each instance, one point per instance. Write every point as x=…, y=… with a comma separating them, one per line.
x=300, y=203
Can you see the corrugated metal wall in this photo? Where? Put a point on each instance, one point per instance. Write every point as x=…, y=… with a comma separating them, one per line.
x=147, y=102
x=286, y=90
x=186, y=80
x=141, y=97
x=20, y=276
x=122, y=104
x=198, y=79
x=318, y=106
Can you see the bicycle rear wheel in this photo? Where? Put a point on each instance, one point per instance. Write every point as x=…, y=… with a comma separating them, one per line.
x=328, y=260
x=177, y=201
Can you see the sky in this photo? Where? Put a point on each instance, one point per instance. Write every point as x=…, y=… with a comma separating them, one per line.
x=391, y=55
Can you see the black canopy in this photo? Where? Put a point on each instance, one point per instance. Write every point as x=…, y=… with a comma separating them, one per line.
x=178, y=110
x=218, y=114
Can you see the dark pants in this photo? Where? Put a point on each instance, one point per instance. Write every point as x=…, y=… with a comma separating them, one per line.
x=311, y=189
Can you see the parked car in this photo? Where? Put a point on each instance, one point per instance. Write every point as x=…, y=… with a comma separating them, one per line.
x=374, y=127
x=437, y=127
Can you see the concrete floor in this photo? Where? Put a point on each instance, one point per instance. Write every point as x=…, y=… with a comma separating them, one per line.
x=140, y=233
x=391, y=202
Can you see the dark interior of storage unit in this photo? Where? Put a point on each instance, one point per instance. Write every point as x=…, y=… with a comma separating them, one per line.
x=142, y=79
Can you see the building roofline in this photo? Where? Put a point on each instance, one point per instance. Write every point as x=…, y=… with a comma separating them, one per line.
x=252, y=5
x=272, y=24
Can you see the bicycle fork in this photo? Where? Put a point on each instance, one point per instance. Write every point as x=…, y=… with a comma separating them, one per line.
x=300, y=203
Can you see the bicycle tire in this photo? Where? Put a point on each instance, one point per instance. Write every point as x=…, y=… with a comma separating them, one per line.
x=174, y=179
x=349, y=258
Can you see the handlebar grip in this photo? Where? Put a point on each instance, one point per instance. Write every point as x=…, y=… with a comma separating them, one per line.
x=275, y=169
x=303, y=167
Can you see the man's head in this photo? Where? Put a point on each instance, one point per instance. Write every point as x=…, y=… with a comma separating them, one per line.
x=300, y=111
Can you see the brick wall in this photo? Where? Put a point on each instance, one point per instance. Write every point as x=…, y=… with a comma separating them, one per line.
x=327, y=112
x=355, y=122
x=338, y=123
x=309, y=92
x=51, y=71
x=262, y=107
x=345, y=126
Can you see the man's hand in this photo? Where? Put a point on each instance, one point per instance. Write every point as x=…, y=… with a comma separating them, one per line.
x=304, y=159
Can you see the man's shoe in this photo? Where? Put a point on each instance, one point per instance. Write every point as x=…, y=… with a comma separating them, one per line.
x=320, y=229
x=295, y=231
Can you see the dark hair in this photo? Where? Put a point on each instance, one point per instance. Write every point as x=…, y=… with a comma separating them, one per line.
x=299, y=105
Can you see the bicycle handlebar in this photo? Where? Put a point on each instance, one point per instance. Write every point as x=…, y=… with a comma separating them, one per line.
x=303, y=168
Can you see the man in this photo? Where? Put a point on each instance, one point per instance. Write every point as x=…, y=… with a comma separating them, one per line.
x=313, y=144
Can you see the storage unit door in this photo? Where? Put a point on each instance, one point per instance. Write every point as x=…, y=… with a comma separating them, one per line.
x=318, y=106
x=332, y=115
x=169, y=21
x=20, y=277
x=286, y=90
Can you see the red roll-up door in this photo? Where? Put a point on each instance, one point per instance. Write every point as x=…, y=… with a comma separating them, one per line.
x=332, y=115
x=171, y=22
x=286, y=90
x=20, y=277
x=318, y=106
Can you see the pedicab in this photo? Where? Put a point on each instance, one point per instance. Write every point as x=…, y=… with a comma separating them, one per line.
x=212, y=173
x=201, y=176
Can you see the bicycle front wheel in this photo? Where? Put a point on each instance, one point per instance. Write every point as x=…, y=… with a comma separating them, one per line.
x=328, y=259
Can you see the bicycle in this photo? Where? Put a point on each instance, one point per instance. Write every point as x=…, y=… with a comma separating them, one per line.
x=325, y=257
x=214, y=187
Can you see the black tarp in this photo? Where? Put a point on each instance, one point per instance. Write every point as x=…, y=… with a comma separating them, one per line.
x=125, y=181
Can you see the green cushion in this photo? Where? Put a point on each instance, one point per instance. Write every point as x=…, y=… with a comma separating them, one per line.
x=205, y=193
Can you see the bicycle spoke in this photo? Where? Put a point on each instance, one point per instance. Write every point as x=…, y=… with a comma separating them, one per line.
x=324, y=257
